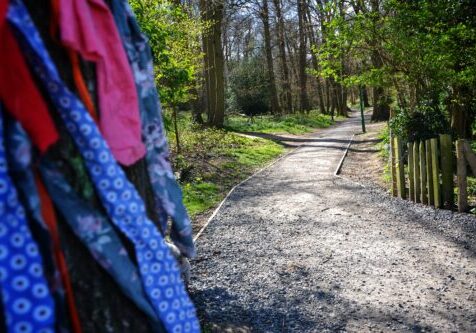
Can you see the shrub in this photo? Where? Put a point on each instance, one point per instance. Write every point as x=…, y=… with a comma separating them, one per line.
x=249, y=87
x=427, y=121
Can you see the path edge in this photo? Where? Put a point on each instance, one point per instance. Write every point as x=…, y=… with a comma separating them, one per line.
x=341, y=162
x=215, y=212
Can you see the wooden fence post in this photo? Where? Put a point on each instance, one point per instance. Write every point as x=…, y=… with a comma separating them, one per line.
x=392, y=165
x=447, y=191
x=461, y=175
x=411, y=178
x=429, y=173
x=470, y=157
x=436, y=172
x=424, y=192
x=416, y=170
x=400, y=168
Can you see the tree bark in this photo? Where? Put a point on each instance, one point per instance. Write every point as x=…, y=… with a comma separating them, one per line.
x=288, y=99
x=275, y=109
x=365, y=96
x=459, y=105
x=381, y=108
x=303, y=97
x=315, y=64
x=214, y=65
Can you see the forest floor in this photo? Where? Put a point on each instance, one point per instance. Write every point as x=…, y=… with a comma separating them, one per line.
x=297, y=249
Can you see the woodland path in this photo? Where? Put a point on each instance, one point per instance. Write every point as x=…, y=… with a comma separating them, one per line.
x=296, y=249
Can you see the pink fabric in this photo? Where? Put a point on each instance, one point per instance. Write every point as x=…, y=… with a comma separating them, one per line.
x=88, y=27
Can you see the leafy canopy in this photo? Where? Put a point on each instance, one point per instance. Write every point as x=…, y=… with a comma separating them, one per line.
x=174, y=36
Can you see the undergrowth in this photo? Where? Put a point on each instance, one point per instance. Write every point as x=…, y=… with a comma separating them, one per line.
x=293, y=124
x=384, y=147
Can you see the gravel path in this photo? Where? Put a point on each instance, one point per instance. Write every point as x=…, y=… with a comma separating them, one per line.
x=295, y=249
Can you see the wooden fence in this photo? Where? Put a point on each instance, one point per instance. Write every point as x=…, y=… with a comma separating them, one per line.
x=424, y=171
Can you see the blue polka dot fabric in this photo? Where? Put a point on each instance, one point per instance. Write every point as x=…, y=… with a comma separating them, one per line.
x=27, y=301
x=159, y=271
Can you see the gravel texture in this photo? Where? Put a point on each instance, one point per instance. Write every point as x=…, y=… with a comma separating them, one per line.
x=296, y=249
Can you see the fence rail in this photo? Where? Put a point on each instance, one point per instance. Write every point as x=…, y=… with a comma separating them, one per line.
x=425, y=172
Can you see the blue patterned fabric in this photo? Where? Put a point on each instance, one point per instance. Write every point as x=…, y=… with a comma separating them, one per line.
x=19, y=156
x=159, y=271
x=27, y=301
x=97, y=234
x=167, y=193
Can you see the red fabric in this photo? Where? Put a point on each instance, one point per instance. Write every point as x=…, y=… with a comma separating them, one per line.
x=83, y=91
x=48, y=213
x=18, y=91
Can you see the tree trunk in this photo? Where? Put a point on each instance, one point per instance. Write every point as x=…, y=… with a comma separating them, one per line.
x=365, y=96
x=459, y=105
x=275, y=109
x=101, y=304
x=381, y=108
x=303, y=97
x=214, y=62
x=315, y=64
x=288, y=99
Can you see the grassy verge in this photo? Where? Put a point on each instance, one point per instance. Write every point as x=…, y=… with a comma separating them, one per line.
x=293, y=124
x=212, y=161
x=383, y=147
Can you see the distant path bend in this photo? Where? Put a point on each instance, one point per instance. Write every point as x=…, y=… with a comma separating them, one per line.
x=295, y=249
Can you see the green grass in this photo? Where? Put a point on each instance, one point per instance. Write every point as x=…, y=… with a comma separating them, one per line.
x=382, y=146
x=293, y=124
x=200, y=196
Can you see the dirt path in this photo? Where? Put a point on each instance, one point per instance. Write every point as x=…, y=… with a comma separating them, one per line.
x=296, y=249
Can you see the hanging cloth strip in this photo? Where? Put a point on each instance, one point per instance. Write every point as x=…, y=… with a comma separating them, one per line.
x=49, y=216
x=87, y=26
x=159, y=271
x=30, y=107
x=98, y=235
x=75, y=64
x=27, y=301
x=167, y=193
x=91, y=227
x=19, y=158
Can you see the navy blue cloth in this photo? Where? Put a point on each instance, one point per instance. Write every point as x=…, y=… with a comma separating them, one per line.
x=159, y=271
